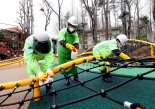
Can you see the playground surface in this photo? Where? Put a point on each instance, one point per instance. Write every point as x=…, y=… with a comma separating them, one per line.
x=13, y=73
x=142, y=91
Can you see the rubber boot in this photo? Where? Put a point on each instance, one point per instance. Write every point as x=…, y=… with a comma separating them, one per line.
x=106, y=76
x=76, y=78
x=48, y=88
x=67, y=83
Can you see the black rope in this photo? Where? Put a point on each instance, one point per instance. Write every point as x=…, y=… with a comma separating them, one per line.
x=47, y=93
x=2, y=87
x=101, y=93
x=114, y=100
x=129, y=76
x=9, y=95
x=78, y=100
x=105, y=95
x=22, y=101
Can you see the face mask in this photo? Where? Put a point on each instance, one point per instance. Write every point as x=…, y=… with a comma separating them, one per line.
x=119, y=45
x=71, y=29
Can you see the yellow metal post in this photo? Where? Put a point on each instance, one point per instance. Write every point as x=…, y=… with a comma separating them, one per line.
x=23, y=61
x=19, y=63
x=152, y=51
x=36, y=91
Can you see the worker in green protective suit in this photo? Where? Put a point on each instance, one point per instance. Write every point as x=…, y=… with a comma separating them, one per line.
x=108, y=48
x=39, y=57
x=68, y=45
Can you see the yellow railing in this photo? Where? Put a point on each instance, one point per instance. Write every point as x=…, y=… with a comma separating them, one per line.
x=17, y=60
x=25, y=82
x=20, y=60
x=85, y=53
x=152, y=46
x=145, y=42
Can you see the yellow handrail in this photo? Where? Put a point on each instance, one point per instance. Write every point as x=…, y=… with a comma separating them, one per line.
x=18, y=60
x=6, y=60
x=25, y=82
x=61, y=67
x=152, y=46
x=145, y=42
x=85, y=53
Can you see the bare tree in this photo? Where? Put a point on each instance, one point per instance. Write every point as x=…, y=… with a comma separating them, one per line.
x=138, y=30
x=66, y=17
x=154, y=18
x=47, y=13
x=25, y=19
x=129, y=3
x=106, y=17
x=114, y=6
x=154, y=9
x=144, y=26
x=150, y=13
x=126, y=16
x=91, y=7
x=60, y=2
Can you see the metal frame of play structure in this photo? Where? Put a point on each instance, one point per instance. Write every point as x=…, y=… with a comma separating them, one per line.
x=28, y=81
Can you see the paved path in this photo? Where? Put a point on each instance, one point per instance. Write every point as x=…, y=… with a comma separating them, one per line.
x=13, y=73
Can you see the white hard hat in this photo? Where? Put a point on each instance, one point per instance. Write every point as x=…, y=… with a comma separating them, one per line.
x=73, y=21
x=122, y=38
x=41, y=42
x=42, y=36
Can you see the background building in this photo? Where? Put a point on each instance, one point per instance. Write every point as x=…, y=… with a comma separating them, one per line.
x=11, y=42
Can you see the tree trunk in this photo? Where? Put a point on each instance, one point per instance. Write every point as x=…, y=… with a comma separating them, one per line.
x=154, y=10
x=94, y=33
x=102, y=22
x=154, y=19
x=59, y=16
x=138, y=30
x=105, y=7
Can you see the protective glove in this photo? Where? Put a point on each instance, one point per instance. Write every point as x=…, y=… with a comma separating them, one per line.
x=49, y=75
x=69, y=46
x=42, y=78
x=74, y=53
x=124, y=56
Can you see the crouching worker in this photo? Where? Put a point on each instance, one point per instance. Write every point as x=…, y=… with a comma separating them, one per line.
x=109, y=48
x=39, y=57
x=68, y=47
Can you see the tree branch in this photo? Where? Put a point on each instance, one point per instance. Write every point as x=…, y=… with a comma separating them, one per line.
x=51, y=8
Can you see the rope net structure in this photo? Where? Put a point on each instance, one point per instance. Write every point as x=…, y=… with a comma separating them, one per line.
x=91, y=91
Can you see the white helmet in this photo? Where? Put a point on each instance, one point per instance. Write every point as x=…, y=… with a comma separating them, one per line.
x=41, y=42
x=73, y=21
x=122, y=38
x=42, y=36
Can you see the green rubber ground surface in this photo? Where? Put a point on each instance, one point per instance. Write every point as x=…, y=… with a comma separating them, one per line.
x=142, y=91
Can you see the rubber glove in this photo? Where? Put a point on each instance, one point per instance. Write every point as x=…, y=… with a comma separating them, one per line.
x=49, y=76
x=69, y=46
x=42, y=78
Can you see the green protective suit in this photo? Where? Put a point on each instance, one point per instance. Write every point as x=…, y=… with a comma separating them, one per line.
x=36, y=62
x=64, y=54
x=105, y=49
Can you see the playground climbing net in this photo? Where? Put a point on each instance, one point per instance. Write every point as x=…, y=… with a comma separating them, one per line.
x=115, y=65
